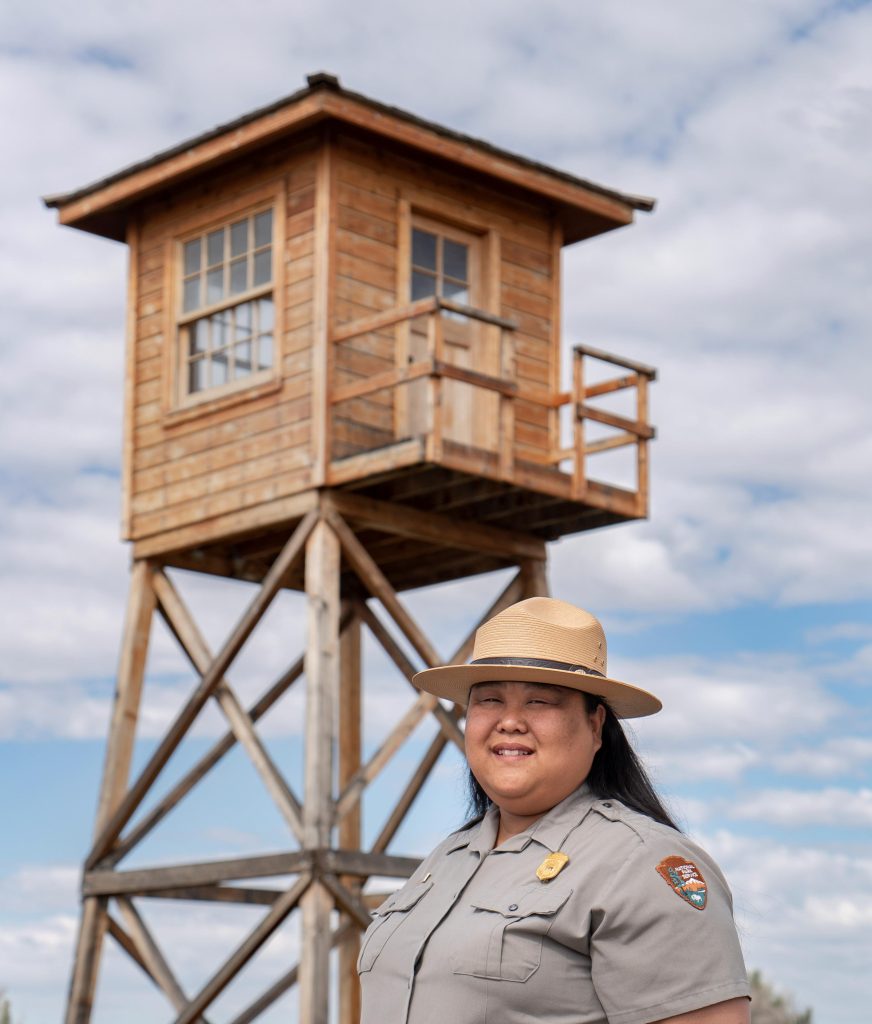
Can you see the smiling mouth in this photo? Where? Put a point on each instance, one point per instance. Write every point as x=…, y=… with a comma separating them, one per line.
x=511, y=752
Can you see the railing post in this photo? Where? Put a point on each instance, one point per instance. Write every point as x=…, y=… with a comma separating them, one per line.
x=434, y=386
x=642, y=446
x=506, y=422
x=579, y=470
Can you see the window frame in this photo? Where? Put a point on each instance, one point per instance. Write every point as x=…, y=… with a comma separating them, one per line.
x=180, y=403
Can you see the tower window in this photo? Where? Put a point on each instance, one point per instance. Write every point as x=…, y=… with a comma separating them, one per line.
x=227, y=315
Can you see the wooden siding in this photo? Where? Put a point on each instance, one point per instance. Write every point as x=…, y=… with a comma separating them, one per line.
x=234, y=451
x=371, y=181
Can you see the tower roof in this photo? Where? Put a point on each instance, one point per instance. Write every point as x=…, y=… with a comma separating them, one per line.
x=103, y=207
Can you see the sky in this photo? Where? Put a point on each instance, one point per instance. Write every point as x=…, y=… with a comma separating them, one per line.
x=744, y=601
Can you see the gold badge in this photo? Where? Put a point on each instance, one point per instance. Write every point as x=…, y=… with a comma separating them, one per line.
x=551, y=867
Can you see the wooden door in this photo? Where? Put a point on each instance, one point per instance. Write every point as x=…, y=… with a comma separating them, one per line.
x=447, y=261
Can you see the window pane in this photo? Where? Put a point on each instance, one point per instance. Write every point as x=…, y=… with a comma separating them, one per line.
x=238, y=276
x=220, y=330
x=214, y=285
x=263, y=267
x=219, y=368
x=423, y=249
x=197, y=376
x=243, y=320
x=263, y=229
x=454, y=260
x=264, y=352
x=192, y=257
x=243, y=359
x=422, y=285
x=238, y=238
x=215, y=247
x=265, y=315
x=198, y=337
x=191, y=294
x=456, y=291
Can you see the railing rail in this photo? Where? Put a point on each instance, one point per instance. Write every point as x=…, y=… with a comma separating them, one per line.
x=435, y=369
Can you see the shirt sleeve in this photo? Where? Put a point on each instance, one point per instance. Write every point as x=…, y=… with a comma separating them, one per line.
x=663, y=939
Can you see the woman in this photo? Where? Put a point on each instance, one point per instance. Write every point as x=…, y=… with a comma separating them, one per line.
x=572, y=898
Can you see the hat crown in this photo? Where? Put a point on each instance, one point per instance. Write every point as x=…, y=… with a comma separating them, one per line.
x=547, y=629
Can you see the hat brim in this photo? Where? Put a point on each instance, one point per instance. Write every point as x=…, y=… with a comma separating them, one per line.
x=453, y=682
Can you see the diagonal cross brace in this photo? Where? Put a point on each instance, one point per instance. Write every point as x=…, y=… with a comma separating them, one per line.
x=273, y=581
x=183, y=627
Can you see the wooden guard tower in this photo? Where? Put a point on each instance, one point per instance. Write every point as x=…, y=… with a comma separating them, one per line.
x=343, y=377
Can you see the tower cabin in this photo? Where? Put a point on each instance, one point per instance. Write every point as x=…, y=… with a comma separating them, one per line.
x=333, y=300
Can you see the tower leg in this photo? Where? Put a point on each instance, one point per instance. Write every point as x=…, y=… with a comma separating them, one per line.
x=116, y=770
x=534, y=574
x=350, y=825
x=322, y=685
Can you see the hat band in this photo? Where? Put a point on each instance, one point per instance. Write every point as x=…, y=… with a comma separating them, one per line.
x=563, y=666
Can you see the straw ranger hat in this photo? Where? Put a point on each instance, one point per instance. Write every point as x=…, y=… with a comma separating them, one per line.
x=540, y=640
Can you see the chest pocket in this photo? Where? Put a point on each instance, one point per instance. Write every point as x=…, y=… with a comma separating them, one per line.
x=505, y=935
x=389, y=916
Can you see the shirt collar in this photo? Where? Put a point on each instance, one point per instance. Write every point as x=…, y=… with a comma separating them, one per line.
x=549, y=831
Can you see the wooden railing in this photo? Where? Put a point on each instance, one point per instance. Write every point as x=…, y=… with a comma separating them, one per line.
x=435, y=369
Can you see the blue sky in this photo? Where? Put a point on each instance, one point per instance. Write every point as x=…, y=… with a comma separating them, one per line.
x=745, y=600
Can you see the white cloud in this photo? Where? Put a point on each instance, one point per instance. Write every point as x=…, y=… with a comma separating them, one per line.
x=846, y=808
x=837, y=756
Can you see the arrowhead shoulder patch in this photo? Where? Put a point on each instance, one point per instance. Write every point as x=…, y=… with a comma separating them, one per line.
x=685, y=879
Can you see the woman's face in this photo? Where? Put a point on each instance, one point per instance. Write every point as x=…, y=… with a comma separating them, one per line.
x=530, y=745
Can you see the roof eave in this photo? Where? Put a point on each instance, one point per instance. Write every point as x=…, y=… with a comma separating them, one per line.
x=100, y=207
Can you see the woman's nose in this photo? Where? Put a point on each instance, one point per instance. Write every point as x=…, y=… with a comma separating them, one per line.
x=512, y=720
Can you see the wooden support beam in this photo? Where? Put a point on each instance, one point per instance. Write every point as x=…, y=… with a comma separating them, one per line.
x=349, y=798
x=114, y=929
x=609, y=387
x=208, y=761
x=407, y=798
x=579, y=467
x=152, y=958
x=393, y=650
x=272, y=583
x=607, y=357
x=404, y=521
x=182, y=625
x=375, y=582
x=252, y=943
x=180, y=876
x=479, y=380
x=116, y=769
x=92, y=929
x=286, y=981
x=611, y=419
x=535, y=579
x=350, y=752
x=642, y=450
x=347, y=901
x=128, y=693
x=218, y=894
x=213, y=872
x=380, y=381
x=322, y=695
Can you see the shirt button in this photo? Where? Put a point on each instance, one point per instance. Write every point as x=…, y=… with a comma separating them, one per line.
x=513, y=906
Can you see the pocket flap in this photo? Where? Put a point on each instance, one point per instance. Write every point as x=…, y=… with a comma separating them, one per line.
x=539, y=901
x=404, y=899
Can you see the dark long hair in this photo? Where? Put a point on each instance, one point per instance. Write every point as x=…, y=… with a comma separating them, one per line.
x=616, y=773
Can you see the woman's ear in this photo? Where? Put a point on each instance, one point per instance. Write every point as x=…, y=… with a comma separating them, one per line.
x=597, y=718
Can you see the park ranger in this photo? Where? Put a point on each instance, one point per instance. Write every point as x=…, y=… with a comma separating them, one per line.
x=571, y=898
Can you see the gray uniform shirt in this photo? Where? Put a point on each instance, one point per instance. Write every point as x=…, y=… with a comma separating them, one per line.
x=636, y=927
